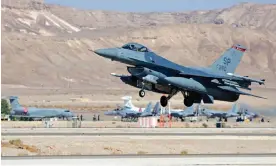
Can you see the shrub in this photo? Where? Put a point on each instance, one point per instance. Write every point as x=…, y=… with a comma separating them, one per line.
x=5, y=109
x=183, y=152
x=205, y=125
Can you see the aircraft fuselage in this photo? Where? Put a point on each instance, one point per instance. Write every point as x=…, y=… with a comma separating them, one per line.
x=167, y=73
x=152, y=72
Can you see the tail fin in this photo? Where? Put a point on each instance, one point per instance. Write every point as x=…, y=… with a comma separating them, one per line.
x=127, y=102
x=156, y=108
x=148, y=108
x=14, y=102
x=230, y=60
x=235, y=108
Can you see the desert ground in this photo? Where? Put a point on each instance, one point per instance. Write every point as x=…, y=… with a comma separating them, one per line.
x=21, y=145
x=125, y=145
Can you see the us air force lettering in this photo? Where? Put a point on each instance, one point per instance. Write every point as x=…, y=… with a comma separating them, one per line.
x=149, y=71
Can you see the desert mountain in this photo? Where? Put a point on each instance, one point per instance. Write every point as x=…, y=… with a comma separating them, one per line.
x=47, y=45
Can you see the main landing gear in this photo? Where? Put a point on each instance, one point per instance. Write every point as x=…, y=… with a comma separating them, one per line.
x=164, y=100
x=191, y=98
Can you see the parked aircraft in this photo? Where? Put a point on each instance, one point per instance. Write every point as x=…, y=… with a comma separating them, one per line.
x=188, y=112
x=38, y=113
x=155, y=112
x=152, y=72
x=233, y=112
x=127, y=113
x=249, y=114
x=128, y=104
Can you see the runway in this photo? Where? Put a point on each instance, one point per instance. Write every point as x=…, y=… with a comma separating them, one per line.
x=138, y=132
x=135, y=160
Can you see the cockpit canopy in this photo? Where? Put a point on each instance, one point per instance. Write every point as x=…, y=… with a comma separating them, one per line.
x=136, y=47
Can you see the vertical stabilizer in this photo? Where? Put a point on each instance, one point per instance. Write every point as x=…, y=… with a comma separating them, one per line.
x=14, y=102
x=127, y=102
x=156, y=108
x=229, y=60
x=148, y=108
x=235, y=108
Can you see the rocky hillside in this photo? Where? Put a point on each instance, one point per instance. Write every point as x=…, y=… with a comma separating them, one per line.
x=47, y=45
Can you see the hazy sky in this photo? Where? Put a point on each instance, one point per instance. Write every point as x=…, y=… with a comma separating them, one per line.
x=153, y=5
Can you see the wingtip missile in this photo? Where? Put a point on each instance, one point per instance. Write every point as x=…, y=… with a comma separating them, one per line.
x=117, y=75
x=247, y=78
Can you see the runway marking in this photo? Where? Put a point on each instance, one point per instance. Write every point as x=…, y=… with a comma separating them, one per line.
x=134, y=160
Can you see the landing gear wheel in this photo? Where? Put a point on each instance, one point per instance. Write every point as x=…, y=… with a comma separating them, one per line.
x=142, y=93
x=188, y=102
x=163, y=101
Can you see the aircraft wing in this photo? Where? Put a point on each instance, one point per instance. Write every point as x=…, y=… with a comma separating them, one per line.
x=229, y=76
x=31, y=116
x=235, y=90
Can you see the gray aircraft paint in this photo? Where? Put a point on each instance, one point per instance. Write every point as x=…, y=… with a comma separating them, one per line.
x=233, y=112
x=128, y=112
x=32, y=112
x=163, y=76
x=185, y=113
x=229, y=61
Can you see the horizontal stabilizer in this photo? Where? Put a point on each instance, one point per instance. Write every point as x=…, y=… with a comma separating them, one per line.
x=235, y=90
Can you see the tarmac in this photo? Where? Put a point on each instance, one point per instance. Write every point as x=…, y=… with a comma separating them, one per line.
x=144, y=131
x=135, y=160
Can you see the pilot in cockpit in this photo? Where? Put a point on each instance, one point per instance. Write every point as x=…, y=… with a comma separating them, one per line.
x=135, y=47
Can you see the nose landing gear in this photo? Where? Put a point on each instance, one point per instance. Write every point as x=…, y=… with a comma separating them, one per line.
x=142, y=93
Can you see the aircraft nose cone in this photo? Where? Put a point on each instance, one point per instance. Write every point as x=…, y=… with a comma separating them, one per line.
x=107, y=53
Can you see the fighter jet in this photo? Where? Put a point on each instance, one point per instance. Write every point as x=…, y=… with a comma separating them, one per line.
x=36, y=113
x=233, y=112
x=149, y=71
x=126, y=113
x=249, y=114
x=128, y=104
x=188, y=112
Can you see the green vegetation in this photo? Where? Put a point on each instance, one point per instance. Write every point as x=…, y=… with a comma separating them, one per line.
x=183, y=152
x=18, y=144
x=5, y=109
x=205, y=125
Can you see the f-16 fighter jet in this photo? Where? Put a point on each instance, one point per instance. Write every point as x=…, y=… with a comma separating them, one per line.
x=149, y=71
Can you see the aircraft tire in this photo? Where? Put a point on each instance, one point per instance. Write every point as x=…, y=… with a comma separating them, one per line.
x=142, y=93
x=188, y=103
x=163, y=101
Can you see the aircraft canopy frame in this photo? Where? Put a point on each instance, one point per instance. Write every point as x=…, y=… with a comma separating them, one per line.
x=136, y=47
